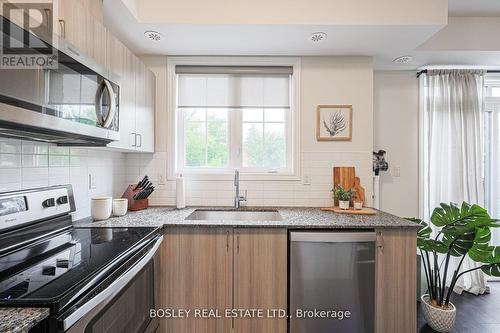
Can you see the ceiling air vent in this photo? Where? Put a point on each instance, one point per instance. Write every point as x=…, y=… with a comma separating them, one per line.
x=403, y=60
x=155, y=36
x=318, y=37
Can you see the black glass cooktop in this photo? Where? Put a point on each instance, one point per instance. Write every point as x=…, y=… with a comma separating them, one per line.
x=51, y=270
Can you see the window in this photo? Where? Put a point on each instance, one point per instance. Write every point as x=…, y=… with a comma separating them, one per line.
x=235, y=117
x=492, y=149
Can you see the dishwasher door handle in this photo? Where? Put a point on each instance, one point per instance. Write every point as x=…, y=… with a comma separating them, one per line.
x=332, y=237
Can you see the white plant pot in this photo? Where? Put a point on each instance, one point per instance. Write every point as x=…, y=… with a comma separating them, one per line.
x=441, y=320
x=343, y=204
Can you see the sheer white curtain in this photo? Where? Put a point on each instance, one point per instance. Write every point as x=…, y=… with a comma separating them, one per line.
x=492, y=163
x=453, y=150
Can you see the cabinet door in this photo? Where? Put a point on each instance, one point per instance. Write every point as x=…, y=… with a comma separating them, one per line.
x=395, y=281
x=73, y=25
x=127, y=94
x=96, y=39
x=260, y=278
x=198, y=275
x=145, y=111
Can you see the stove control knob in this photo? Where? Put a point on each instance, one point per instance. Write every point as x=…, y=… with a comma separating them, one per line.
x=62, y=200
x=48, y=203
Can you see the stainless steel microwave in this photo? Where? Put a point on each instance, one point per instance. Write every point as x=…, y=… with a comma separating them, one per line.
x=75, y=102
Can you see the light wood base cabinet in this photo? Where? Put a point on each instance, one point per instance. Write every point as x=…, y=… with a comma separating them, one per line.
x=222, y=268
x=395, y=283
x=260, y=278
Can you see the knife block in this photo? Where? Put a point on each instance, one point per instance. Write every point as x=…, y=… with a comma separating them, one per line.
x=134, y=205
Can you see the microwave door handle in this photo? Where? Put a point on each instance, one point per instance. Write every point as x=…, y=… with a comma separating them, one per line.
x=112, y=107
x=105, y=86
x=83, y=315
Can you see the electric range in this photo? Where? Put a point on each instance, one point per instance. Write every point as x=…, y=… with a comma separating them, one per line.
x=80, y=273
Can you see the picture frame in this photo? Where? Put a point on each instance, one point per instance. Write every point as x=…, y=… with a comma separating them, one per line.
x=334, y=122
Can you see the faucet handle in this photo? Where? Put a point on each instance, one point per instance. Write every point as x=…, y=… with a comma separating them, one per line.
x=245, y=196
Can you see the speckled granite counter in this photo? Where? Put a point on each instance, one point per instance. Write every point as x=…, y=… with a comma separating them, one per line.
x=14, y=320
x=293, y=218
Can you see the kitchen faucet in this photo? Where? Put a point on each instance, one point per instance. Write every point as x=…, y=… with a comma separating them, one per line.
x=237, y=198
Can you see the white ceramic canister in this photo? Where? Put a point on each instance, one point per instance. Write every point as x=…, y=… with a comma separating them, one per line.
x=101, y=207
x=120, y=207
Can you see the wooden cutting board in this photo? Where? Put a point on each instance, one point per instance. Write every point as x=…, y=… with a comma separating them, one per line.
x=343, y=177
x=364, y=211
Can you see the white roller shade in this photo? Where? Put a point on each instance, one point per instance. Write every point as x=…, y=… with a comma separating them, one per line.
x=234, y=91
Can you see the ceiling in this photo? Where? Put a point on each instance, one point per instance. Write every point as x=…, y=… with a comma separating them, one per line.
x=474, y=7
x=383, y=42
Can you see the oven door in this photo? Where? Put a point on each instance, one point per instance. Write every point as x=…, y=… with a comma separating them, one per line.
x=124, y=305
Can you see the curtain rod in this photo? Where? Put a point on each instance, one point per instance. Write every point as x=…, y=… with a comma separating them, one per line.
x=424, y=71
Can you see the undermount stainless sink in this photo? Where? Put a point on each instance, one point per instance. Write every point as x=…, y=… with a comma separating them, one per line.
x=234, y=215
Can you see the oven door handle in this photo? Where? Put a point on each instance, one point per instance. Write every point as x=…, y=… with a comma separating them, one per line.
x=97, y=303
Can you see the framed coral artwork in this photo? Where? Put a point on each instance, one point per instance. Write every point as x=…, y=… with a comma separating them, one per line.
x=334, y=123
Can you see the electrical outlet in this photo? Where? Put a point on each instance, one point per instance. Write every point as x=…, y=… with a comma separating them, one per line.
x=396, y=171
x=92, y=184
x=307, y=180
x=161, y=179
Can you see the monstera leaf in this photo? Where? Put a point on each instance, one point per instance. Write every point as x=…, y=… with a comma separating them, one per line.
x=481, y=250
x=460, y=244
x=492, y=263
x=450, y=215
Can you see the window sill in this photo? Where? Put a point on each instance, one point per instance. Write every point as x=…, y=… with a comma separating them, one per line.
x=229, y=176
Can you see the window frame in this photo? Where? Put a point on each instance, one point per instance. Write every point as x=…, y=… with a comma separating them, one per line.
x=176, y=134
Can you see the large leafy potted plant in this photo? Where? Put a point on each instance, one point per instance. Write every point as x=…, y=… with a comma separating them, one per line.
x=461, y=231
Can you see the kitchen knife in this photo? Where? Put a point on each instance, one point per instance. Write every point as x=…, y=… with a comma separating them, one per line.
x=141, y=183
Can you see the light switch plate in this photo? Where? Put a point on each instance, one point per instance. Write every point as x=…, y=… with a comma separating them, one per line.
x=92, y=184
x=396, y=171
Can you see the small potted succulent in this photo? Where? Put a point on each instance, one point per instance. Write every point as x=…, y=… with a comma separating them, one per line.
x=460, y=231
x=343, y=196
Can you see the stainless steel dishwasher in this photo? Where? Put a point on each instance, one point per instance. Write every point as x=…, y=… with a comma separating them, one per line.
x=333, y=272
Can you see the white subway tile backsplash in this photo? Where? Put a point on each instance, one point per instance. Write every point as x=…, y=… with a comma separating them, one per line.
x=34, y=161
x=29, y=164
x=10, y=160
x=318, y=166
x=32, y=147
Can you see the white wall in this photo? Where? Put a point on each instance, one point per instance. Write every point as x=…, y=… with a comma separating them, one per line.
x=324, y=80
x=396, y=131
x=28, y=164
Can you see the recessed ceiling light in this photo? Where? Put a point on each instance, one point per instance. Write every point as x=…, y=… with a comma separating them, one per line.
x=152, y=35
x=318, y=37
x=403, y=60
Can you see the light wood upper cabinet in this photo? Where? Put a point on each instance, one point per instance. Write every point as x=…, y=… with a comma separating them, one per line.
x=260, y=277
x=395, y=282
x=123, y=63
x=145, y=108
x=197, y=275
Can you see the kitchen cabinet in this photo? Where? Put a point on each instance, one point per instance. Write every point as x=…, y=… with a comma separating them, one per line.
x=225, y=268
x=145, y=110
x=80, y=27
x=198, y=276
x=395, y=281
x=137, y=99
x=260, y=276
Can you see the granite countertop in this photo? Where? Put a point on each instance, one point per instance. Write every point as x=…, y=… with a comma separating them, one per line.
x=14, y=320
x=293, y=218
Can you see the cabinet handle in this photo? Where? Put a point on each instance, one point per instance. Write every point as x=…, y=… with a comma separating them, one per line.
x=134, y=136
x=47, y=16
x=237, y=242
x=227, y=240
x=62, y=24
x=140, y=140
